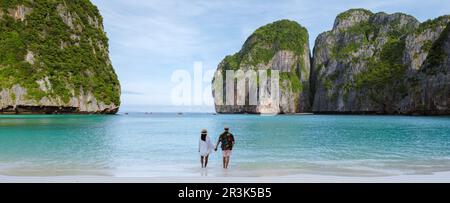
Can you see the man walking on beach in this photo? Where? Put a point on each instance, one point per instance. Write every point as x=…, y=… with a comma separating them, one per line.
x=227, y=140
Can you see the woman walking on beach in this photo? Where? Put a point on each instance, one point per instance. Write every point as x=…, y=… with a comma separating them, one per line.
x=204, y=148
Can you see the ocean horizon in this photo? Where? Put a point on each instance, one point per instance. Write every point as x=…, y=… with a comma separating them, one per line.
x=165, y=109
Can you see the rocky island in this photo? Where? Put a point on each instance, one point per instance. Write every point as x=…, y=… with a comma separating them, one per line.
x=281, y=46
x=54, y=59
x=369, y=63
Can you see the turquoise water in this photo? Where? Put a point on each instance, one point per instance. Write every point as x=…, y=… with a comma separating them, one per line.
x=139, y=145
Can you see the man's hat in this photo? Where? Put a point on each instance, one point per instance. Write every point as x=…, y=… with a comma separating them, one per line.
x=204, y=131
x=227, y=128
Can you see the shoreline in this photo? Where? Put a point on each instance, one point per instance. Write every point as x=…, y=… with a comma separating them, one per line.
x=4, y=113
x=439, y=177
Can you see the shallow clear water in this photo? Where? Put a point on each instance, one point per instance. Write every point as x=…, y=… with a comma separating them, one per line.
x=153, y=145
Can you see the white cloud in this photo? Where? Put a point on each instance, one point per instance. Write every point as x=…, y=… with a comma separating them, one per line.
x=154, y=33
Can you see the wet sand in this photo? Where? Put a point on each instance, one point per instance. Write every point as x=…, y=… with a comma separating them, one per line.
x=440, y=177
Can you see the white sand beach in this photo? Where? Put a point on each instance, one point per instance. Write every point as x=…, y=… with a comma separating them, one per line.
x=440, y=177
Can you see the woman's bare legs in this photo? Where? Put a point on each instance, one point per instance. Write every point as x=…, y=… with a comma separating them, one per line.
x=206, y=161
x=201, y=161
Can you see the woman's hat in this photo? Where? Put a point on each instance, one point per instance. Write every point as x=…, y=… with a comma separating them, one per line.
x=227, y=128
x=204, y=131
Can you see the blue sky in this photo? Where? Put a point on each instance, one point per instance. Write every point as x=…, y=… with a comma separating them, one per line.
x=150, y=39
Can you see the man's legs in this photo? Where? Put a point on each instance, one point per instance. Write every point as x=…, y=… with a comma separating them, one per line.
x=226, y=158
x=227, y=162
x=224, y=162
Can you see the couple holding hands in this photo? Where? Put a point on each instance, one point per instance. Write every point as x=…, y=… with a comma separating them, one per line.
x=206, y=146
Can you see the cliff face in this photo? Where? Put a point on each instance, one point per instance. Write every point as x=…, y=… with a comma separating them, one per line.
x=374, y=63
x=54, y=59
x=429, y=91
x=369, y=63
x=281, y=46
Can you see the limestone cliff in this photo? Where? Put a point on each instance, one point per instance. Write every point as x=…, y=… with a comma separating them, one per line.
x=54, y=59
x=281, y=46
x=429, y=88
x=370, y=63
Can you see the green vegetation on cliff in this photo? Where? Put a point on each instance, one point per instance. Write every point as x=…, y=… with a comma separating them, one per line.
x=265, y=42
x=294, y=82
x=386, y=69
x=262, y=45
x=66, y=44
x=277, y=36
x=433, y=23
x=437, y=53
x=385, y=66
x=349, y=13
